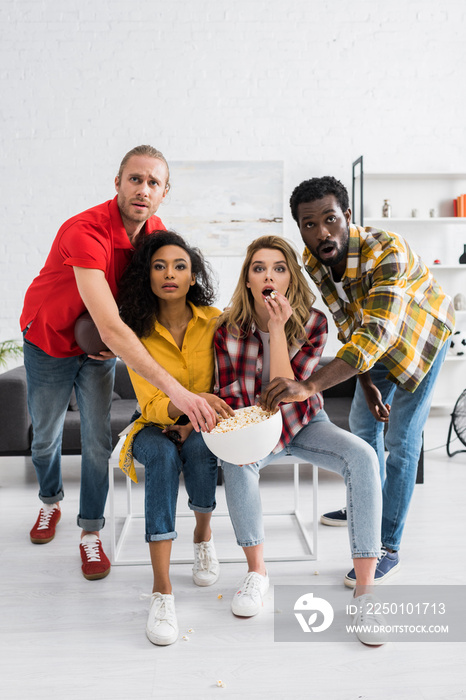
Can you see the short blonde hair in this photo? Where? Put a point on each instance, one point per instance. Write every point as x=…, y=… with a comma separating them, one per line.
x=144, y=150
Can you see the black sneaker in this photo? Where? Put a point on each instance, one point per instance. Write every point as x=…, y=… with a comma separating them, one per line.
x=337, y=518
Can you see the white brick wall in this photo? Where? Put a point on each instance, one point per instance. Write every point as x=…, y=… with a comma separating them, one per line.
x=312, y=83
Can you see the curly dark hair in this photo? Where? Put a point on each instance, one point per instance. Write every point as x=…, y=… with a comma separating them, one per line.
x=138, y=304
x=317, y=188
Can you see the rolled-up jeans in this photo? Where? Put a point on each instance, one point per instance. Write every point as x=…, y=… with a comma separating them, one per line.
x=164, y=462
x=50, y=381
x=332, y=448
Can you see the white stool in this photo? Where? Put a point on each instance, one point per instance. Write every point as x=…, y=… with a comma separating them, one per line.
x=116, y=544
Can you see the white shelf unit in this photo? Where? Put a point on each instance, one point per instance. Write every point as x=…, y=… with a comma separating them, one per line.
x=441, y=237
x=408, y=191
x=433, y=220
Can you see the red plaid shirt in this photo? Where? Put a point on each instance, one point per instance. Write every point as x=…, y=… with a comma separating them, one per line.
x=238, y=372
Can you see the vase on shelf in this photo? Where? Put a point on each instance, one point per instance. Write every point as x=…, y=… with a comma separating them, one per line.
x=386, y=209
x=463, y=257
x=459, y=302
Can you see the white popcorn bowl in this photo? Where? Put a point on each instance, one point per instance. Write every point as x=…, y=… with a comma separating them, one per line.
x=248, y=444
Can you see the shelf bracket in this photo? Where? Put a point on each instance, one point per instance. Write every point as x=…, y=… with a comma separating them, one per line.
x=358, y=161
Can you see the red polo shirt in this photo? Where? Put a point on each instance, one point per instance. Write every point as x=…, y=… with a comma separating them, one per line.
x=95, y=239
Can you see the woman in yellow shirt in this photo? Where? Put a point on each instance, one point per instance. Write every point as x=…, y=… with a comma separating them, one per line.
x=165, y=297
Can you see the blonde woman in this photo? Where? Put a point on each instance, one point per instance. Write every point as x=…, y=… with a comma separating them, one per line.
x=271, y=330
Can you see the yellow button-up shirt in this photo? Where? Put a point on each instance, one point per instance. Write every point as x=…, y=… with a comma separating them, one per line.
x=192, y=367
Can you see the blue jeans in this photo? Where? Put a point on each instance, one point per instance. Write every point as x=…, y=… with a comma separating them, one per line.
x=163, y=465
x=403, y=441
x=332, y=448
x=50, y=382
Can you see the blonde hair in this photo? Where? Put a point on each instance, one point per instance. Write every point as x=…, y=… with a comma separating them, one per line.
x=240, y=315
x=144, y=150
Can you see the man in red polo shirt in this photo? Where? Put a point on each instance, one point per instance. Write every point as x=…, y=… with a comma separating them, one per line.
x=82, y=272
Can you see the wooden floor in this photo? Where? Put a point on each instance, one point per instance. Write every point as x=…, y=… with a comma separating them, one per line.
x=65, y=637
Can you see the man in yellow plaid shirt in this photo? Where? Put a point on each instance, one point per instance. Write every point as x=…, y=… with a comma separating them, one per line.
x=394, y=321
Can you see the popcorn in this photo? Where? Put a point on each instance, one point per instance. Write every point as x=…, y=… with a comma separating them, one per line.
x=185, y=638
x=220, y=596
x=242, y=418
x=273, y=294
x=220, y=684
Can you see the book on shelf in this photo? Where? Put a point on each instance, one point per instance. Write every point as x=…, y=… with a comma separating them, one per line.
x=459, y=205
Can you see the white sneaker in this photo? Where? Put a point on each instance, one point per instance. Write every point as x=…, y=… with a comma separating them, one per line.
x=162, y=626
x=248, y=599
x=368, y=620
x=206, y=568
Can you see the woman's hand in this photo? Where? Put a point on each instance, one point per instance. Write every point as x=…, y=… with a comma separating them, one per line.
x=182, y=431
x=219, y=405
x=379, y=410
x=279, y=310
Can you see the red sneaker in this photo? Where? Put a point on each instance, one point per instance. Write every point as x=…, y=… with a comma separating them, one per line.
x=44, y=528
x=95, y=563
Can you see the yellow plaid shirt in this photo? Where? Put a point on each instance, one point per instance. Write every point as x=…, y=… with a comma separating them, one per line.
x=397, y=313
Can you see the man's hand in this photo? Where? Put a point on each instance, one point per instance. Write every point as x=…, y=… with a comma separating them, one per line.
x=104, y=355
x=218, y=404
x=201, y=415
x=281, y=390
x=379, y=410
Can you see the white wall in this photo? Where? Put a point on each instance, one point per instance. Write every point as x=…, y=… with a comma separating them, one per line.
x=312, y=83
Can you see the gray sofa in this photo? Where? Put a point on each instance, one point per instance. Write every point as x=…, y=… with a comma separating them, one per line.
x=16, y=429
x=15, y=423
